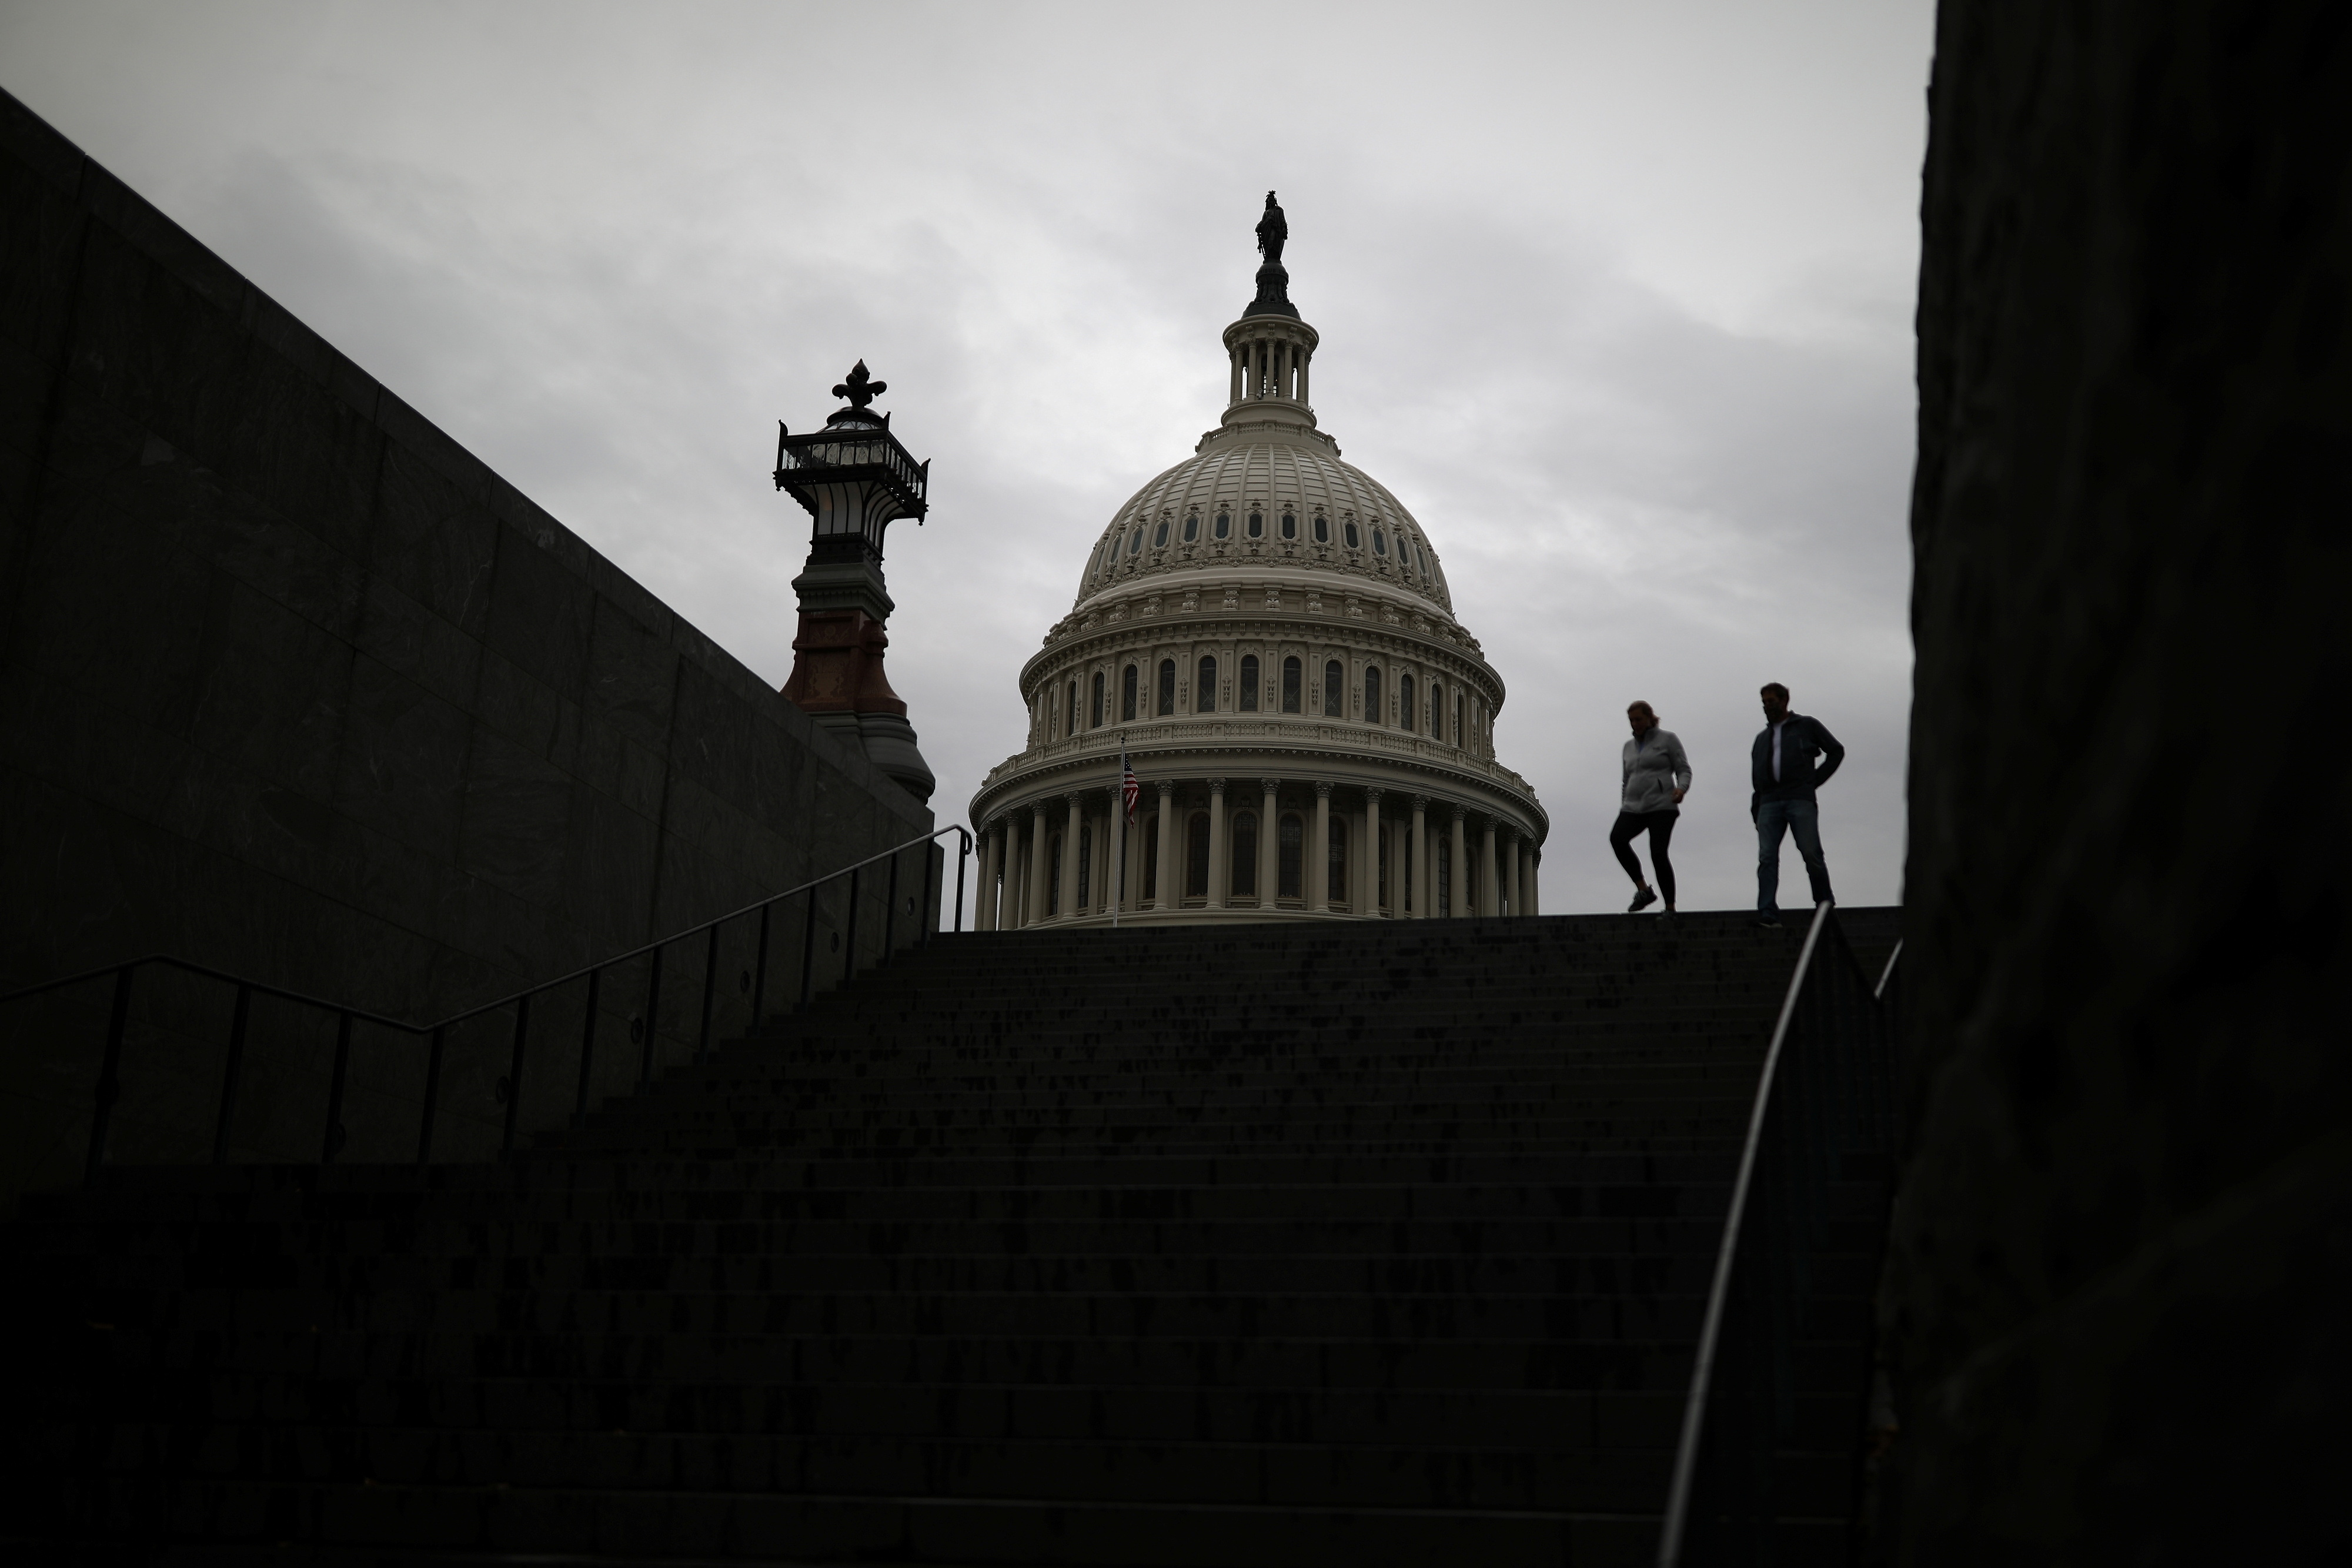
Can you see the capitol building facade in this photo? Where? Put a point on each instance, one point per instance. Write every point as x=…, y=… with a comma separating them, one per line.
x=1267, y=635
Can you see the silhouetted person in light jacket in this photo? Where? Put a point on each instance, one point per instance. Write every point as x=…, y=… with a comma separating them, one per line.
x=1784, y=777
x=1655, y=778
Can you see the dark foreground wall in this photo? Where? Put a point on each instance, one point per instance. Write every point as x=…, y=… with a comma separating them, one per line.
x=295, y=687
x=2123, y=1259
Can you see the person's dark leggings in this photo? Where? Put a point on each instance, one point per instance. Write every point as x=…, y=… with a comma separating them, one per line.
x=1660, y=826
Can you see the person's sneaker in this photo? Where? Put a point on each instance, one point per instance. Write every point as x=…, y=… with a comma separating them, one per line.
x=1769, y=922
x=1641, y=900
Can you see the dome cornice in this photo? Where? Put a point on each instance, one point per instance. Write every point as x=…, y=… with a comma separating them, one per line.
x=1376, y=759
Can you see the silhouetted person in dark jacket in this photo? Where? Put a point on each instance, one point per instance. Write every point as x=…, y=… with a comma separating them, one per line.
x=1784, y=777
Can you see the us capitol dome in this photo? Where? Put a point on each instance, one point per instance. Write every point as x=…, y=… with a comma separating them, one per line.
x=1267, y=633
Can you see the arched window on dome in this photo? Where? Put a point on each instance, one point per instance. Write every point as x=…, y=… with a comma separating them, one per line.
x=1159, y=534
x=1373, y=712
x=1355, y=539
x=1322, y=529
x=1192, y=527
x=1335, y=858
x=1135, y=541
x=1244, y=854
x=1205, y=692
x=1070, y=708
x=1196, y=856
x=1334, y=683
x=1380, y=541
x=1167, y=687
x=1290, y=525
x=1406, y=712
x=1291, y=674
x=1245, y=694
x=1291, y=858
x=1095, y=707
x=1458, y=705
x=1436, y=711
x=1225, y=524
x=1257, y=525
x=1126, y=683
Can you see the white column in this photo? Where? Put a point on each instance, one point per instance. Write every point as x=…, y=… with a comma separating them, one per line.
x=992, y=855
x=1511, y=853
x=1457, y=894
x=1528, y=880
x=1105, y=888
x=1269, y=845
x=1218, y=870
x=1315, y=873
x=1035, y=888
x=1008, y=912
x=1167, y=894
x=1490, y=899
x=1374, y=839
x=1066, y=896
x=1417, y=858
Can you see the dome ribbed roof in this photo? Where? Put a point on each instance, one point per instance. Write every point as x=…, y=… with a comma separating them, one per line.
x=1236, y=474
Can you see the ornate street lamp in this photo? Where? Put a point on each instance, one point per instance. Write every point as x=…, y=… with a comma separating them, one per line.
x=855, y=480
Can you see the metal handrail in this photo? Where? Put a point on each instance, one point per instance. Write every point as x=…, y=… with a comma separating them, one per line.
x=1788, y=1072
x=1670, y=1543
x=107, y=1088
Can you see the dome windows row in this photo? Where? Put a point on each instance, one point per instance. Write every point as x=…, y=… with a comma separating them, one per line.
x=1383, y=698
x=1286, y=526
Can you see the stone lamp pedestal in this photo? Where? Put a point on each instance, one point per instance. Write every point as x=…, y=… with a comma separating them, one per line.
x=855, y=479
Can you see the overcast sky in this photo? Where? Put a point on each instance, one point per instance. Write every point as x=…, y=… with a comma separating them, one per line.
x=1616, y=299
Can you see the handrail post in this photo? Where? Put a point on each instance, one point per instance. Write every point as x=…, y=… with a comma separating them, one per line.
x=229, y=1075
x=808, y=944
x=760, y=971
x=890, y=911
x=330, y=1141
x=926, y=904
x=587, y=1047
x=514, y=1074
x=849, y=937
x=709, y=990
x=432, y=1094
x=964, y=853
x=109, y=1083
x=653, y=1020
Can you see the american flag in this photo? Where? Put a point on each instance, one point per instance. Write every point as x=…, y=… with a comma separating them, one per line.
x=1130, y=791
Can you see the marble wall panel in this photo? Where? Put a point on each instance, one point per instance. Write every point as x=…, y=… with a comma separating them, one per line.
x=541, y=617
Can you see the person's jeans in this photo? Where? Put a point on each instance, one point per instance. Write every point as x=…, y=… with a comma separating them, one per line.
x=1802, y=820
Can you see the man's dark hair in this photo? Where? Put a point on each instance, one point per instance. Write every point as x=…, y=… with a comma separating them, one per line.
x=1774, y=688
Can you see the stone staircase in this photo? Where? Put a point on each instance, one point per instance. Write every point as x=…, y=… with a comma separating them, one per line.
x=1282, y=1246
